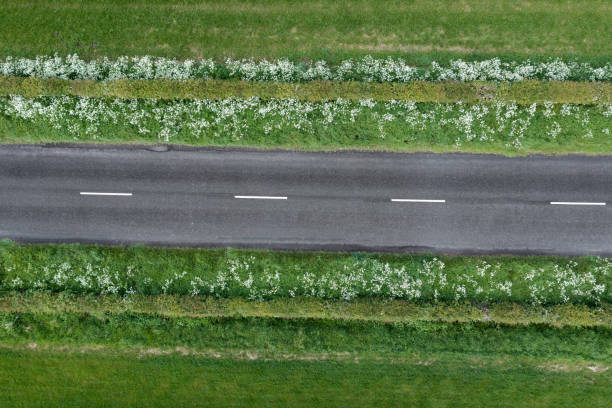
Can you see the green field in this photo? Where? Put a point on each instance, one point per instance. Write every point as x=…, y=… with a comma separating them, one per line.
x=94, y=351
x=420, y=30
x=98, y=377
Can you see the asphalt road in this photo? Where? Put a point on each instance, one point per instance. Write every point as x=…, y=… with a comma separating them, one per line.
x=290, y=200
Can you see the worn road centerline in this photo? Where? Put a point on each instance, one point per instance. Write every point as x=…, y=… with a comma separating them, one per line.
x=415, y=200
x=575, y=203
x=93, y=193
x=260, y=197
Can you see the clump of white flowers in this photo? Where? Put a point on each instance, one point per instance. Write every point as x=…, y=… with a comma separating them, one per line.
x=366, y=69
x=216, y=121
x=566, y=284
x=88, y=278
x=429, y=280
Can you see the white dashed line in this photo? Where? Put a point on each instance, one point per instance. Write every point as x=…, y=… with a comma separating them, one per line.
x=413, y=200
x=574, y=203
x=261, y=197
x=89, y=193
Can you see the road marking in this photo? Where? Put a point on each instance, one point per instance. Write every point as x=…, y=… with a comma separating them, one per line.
x=574, y=203
x=261, y=197
x=412, y=200
x=90, y=193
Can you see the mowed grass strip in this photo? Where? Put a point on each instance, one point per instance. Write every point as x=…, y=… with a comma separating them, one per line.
x=420, y=31
x=308, y=335
x=522, y=92
x=98, y=377
x=360, y=309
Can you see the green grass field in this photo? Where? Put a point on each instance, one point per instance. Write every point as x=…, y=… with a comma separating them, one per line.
x=420, y=30
x=97, y=377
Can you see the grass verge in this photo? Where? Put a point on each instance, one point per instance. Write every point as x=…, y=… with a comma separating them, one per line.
x=420, y=31
x=267, y=274
x=102, y=377
x=500, y=127
x=523, y=92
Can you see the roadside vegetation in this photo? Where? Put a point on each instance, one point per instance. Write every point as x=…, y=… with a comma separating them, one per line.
x=262, y=275
x=304, y=89
x=367, y=69
x=183, y=315
x=361, y=104
x=291, y=335
x=501, y=127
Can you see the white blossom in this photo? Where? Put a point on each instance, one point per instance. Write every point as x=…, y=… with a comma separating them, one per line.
x=367, y=69
x=89, y=118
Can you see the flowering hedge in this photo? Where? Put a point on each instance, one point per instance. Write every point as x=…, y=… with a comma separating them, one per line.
x=263, y=276
x=234, y=120
x=367, y=69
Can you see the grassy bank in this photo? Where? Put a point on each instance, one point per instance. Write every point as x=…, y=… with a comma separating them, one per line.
x=305, y=335
x=420, y=31
x=100, y=377
x=523, y=92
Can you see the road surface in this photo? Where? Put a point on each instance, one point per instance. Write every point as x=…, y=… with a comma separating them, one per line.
x=453, y=203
